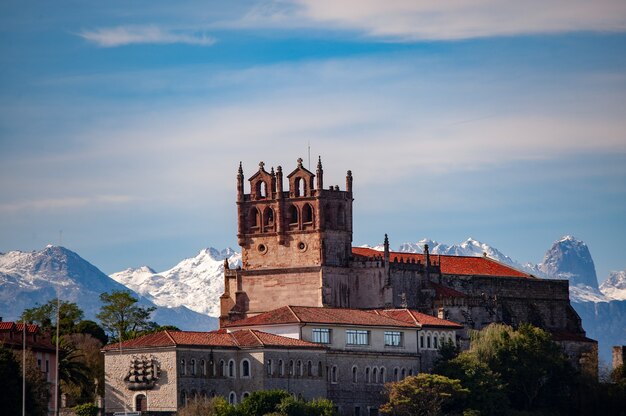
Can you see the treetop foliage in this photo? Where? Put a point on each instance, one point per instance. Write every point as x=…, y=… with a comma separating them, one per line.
x=121, y=315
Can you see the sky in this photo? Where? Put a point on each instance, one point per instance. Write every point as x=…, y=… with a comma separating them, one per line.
x=122, y=124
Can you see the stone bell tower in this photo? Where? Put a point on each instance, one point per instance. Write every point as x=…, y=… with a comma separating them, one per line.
x=288, y=238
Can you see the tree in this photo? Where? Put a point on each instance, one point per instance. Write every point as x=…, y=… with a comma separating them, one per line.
x=10, y=383
x=93, y=360
x=262, y=402
x=93, y=329
x=37, y=390
x=290, y=406
x=46, y=316
x=530, y=363
x=422, y=395
x=120, y=314
x=203, y=406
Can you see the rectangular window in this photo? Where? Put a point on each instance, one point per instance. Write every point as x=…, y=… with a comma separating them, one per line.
x=393, y=339
x=47, y=366
x=421, y=340
x=321, y=335
x=357, y=337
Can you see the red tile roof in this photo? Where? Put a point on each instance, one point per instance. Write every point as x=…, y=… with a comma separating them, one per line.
x=446, y=292
x=319, y=315
x=417, y=318
x=237, y=339
x=462, y=265
x=570, y=336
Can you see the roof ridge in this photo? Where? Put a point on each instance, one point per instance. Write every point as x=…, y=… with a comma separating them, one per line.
x=294, y=314
x=256, y=336
x=167, y=332
x=506, y=265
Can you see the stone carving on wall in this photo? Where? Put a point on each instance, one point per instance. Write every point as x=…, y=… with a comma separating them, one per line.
x=143, y=373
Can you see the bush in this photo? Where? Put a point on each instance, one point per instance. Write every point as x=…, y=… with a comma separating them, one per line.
x=87, y=409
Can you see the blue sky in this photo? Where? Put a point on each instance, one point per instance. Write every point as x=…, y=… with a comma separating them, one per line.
x=123, y=124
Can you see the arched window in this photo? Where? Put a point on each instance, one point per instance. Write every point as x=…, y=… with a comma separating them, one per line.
x=261, y=190
x=428, y=340
x=307, y=214
x=231, y=368
x=232, y=398
x=341, y=217
x=221, y=369
x=281, y=368
x=293, y=215
x=193, y=367
x=334, y=374
x=255, y=219
x=244, y=395
x=183, y=398
x=269, y=367
x=298, y=368
x=367, y=374
x=141, y=403
x=291, y=367
x=421, y=341
x=403, y=374
x=183, y=367
x=381, y=376
x=299, y=187
x=202, y=368
x=245, y=368
x=396, y=375
x=435, y=343
x=354, y=374
x=309, y=369
x=194, y=394
x=410, y=372
x=268, y=219
x=319, y=369
x=374, y=375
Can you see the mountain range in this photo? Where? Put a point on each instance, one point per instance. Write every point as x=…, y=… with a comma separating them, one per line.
x=187, y=295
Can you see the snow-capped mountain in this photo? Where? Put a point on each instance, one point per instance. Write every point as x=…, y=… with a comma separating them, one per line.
x=569, y=258
x=615, y=286
x=196, y=282
x=31, y=278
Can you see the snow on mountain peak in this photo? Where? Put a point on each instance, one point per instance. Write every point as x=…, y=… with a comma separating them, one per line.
x=195, y=282
x=614, y=286
x=570, y=259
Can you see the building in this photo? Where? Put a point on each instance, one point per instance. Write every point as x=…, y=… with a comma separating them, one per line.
x=39, y=344
x=311, y=314
x=297, y=249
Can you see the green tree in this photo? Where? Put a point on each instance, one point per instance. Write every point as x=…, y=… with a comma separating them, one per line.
x=261, y=402
x=488, y=392
x=93, y=329
x=10, y=383
x=422, y=395
x=290, y=406
x=46, y=316
x=93, y=361
x=121, y=315
x=87, y=409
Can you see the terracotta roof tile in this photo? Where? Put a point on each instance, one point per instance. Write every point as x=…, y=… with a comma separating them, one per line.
x=237, y=339
x=418, y=318
x=319, y=315
x=462, y=265
x=446, y=292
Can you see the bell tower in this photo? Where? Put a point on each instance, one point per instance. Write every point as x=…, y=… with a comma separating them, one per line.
x=292, y=233
x=301, y=226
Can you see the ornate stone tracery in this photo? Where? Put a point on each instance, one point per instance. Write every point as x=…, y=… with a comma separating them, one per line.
x=143, y=373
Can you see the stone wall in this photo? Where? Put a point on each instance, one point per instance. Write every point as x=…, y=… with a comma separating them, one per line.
x=118, y=398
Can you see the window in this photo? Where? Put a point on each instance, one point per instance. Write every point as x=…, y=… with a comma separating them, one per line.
x=321, y=335
x=374, y=375
x=268, y=219
x=298, y=368
x=183, y=398
x=421, y=340
x=222, y=372
x=307, y=213
x=269, y=367
x=334, y=375
x=354, y=374
x=293, y=214
x=232, y=398
x=435, y=339
x=403, y=374
x=245, y=368
x=245, y=395
x=393, y=339
x=183, y=367
x=357, y=411
x=428, y=341
x=231, y=368
x=357, y=337
x=281, y=368
x=193, y=367
x=39, y=363
x=381, y=378
x=309, y=369
x=319, y=369
x=396, y=375
x=290, y=372
x=367, y=374
x=202, y=368
x=47, y=366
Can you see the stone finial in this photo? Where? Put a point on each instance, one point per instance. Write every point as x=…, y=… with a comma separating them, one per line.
x=299, y=162
x=261, y=165
x=240, y=170
x=272, y=171
x=319, y=162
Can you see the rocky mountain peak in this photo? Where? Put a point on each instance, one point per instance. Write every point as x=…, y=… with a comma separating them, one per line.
x=570, y=259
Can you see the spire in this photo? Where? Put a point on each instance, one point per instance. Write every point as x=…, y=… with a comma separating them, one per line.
x=349, y=181
x=319, y=174
x=240, y=171
x=386, y=245
x=261, y=166
x=240, y=183
x=299, y=162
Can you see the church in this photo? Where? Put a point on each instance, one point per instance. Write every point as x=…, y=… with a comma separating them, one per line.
x=308, y=313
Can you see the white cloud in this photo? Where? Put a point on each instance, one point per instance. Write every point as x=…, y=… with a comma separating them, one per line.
x=409, y=20
x=128, y=35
